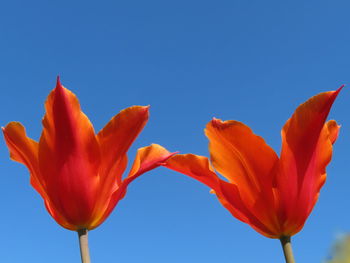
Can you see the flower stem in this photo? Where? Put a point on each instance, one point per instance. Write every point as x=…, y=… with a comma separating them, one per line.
x=287, y=249
x=84, y=246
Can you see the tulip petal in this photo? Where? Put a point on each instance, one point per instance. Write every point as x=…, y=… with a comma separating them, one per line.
x=69, y=157
x=306, y=151
x=242, y=157
x=58, y=217
x=195, y=166
x=314, y=179
x=147, y=158
x=24, y=150
x=199, y=168
x=115, y=140
x=232, y=201
x=333, y=130
x=316, y=174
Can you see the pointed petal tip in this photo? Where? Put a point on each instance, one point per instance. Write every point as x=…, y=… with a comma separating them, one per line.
x=220, y=124
x=141, y=109
x=336, y=92
x=146, y=108
x=216, y=122
x=339, y=89
x=144, y=111
x=58, y=83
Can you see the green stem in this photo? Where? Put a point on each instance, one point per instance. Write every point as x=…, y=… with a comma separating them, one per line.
x=287, y=249
x=84, y=246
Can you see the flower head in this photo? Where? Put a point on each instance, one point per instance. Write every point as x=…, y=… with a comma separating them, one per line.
x=79, y=173
x=272, y=194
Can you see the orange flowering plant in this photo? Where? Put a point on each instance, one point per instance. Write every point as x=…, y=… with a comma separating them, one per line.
x=78, y=173
x=274, y=195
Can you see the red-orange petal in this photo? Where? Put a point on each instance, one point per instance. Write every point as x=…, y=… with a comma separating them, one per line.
x=265, y=223
x=115, y=140
x=333, y=130
x=199, y=168
x=306, y=151
x=67, y=147
x=245, y=160
x=195, y=166
x=59, y=218
x=24, y=150
x=147, y=158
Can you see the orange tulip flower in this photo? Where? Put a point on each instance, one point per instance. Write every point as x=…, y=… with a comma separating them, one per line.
x=78, y=173
x=274, y=195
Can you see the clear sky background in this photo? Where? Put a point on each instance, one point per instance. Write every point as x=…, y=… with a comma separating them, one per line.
x=252, y=61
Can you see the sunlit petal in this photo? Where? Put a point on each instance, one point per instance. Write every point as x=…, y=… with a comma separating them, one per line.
x=147, y=158
x=242, y=157
x=115, y=140
x=306, y=151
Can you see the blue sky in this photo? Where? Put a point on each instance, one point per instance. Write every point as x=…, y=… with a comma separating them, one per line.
x=252, y=61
